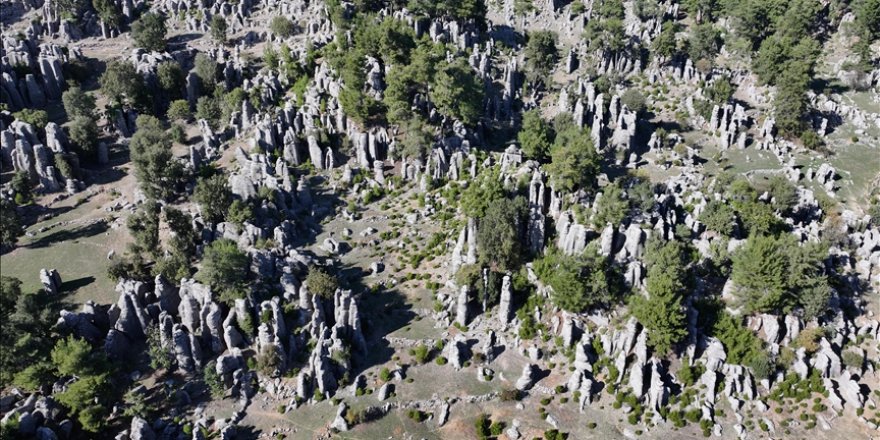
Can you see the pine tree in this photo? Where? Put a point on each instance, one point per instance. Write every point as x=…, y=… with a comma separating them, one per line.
x=662, y=312
x=760, y=268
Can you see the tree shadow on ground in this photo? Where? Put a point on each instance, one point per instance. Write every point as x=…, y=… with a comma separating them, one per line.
x=85, y=231
x=310, y=224
x=73, y=285
x=383, y=312
x=179, y=41
x=247, y=433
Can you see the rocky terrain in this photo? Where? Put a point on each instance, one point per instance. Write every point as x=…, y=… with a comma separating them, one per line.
x=469, y=219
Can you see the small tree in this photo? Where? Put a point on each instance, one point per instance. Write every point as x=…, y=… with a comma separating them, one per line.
x=457, y=92
x=208, y=108
x=160, y=357
x=37, y=118
x=481, y=193
x=240, y=213
x=634, y=100
x=206, y=70
x=662, y=312
x=83, y=133
x=157, y=170
x=171, y=79
x=214, y=198
x=21, y=186
x=281, y=27
x=321, y=283
x=121, y=83
x=80, y=398
x=612, y=207
x=144, y=227
x=718, y=217
x=149, y=32
x=179, y=111
x=760, y=268
x=224, y=265
x=665, y=44
x=541, y=54
x=78, y=103
x=73, y=357
x=522, y=7
x=10, y=225
x=500, y=234
x=578, y=282
x=575, y=163
x=219, y=28
x=536, y=135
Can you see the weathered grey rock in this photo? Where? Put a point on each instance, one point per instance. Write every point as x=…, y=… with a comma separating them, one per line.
x=455, y=354
x=385, y=392
x=581, y=358
x=116, y=344
x=182, y=349
x=81, y=325
x=606, y=240
x=461, y=306
x=657, y=390
x=443, y=414
x=51, y=281
x=850, y=391
x=505, y=306
x=140, y=430
x=45, y=433
x=826, y=360
x=339, y=422
x=714, y=355
x=528, y=378
x=133, y=320
x=770, y=324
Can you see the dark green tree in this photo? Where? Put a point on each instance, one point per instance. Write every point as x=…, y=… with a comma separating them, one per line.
x=578, y=282
x=500, y=234
x=122, y=84
x=541, y=54
x=662, y=312
x=206, y=69
x=704, y=42
x=457, y=92
x=281, y=27
x=224, y=266
x=214, y=197
x=417, y=140
x=78, y=103
x=108, y=12
x=171, y=79
x=321, y=283
x=612, y=208
x=148, y=32
x=665, y=44
x=21, y=186
x=760, y=269
x=83, y=133
x=35, y=117
x=634, y=100
x=481, y=193
x=574, y=160
x=157, y=170
x=219, y=29
x=867, y=17
x=719, y=217
x=144, y=227
x=536, y=135
x=10, y=224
